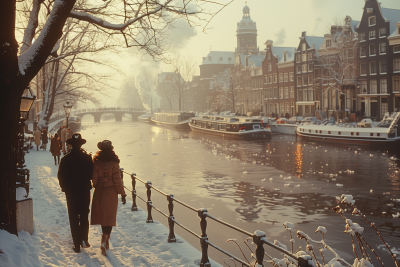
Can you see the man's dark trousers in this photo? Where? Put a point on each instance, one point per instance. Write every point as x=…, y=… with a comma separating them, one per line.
x=78, y=211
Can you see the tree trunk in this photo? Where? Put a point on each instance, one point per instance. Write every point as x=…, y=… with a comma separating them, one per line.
x=9, y=115
x=12, y=85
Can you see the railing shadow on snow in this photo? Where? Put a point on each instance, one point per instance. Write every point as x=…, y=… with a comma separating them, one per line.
x=258, y=237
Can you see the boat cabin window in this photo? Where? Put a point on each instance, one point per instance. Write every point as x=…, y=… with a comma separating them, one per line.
x=222, y=126
x=256, y=127
x=371, y=134
x=214, y=126
x=378, y=134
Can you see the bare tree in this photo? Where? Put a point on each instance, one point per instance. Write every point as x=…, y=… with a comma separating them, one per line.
x=184, y=68
x=337, y=59
x=63, y=80
x=134, y=23
x=129, y=96
x=146, y=83
x=227, y=84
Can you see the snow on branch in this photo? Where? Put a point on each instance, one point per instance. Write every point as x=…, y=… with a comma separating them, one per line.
x=111, y=26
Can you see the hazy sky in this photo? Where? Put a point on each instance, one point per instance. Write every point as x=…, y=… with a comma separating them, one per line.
x=282, y=21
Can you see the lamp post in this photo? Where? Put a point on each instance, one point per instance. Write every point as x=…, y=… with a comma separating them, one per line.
x=67, y=109
x=22, y=172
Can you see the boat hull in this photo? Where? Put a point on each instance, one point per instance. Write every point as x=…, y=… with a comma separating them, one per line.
x=180, y=125
x=283, y=128
x=249, y=135
x=348, y=140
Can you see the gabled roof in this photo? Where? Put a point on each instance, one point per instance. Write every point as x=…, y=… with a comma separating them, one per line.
x=277, y=51
x=314, y=40
x=219, y=57
x=392, y=15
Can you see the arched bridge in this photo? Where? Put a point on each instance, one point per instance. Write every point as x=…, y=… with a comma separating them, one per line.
x=118, y=113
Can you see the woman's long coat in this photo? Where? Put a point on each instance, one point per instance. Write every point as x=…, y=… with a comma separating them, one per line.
x=55, y=146
x=44, y=138
x=37, y=135
x=107, y=185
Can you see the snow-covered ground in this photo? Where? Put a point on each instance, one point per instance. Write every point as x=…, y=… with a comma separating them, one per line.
x=133, y=241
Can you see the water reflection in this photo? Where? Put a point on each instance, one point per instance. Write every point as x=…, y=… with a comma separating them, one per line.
x=371, y=175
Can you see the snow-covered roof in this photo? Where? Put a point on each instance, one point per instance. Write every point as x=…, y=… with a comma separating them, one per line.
x=393, y=16
x=254, y=61
x=219, y=57
x=315, y=40
x=354, y=24
x=277, y=51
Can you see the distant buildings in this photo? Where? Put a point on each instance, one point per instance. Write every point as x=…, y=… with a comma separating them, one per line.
x=352, y=71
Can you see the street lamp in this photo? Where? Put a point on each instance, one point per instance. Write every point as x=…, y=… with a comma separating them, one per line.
x=22, y=172
x=67, y=109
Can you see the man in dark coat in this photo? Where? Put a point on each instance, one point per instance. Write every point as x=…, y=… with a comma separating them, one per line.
x=74, y=175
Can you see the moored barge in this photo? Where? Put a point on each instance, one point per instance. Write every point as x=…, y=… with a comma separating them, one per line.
x=365, y=133
x=245, y=128
x=173, y=119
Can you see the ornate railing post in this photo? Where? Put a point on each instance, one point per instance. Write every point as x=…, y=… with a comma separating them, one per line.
x=134, y=206
x=171, y=236
x=301, y=262
x=203, y=241
x=149, y=203
x=257, y=236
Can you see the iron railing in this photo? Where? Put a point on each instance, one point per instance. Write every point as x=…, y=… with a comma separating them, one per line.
x=258, y=237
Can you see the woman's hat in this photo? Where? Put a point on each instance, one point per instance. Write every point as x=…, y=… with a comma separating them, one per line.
x=76, y=139
x=105, y=144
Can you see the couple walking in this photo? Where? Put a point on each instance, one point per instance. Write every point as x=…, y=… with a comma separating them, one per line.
x=75, y=172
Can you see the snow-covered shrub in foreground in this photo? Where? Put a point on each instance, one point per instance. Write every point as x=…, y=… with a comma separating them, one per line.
x=327, y=256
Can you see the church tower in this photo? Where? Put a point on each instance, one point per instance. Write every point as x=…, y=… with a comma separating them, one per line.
x=247, y=34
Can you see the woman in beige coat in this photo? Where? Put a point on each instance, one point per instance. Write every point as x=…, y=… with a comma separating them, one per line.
x=107, y=185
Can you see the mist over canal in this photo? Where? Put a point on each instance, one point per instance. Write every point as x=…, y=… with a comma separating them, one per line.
x=258, y=185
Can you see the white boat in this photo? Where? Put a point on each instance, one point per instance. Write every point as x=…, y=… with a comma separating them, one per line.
x=173, y=119
x=285, y=126
x=145, y=117
x=364, y=133
x=247, y=128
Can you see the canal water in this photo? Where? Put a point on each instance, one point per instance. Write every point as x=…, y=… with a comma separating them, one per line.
x=259, y=185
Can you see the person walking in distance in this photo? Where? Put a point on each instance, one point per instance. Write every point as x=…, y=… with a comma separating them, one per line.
x=55, y=148
x=37, y=135
x=68, y=136
x=63, y=137
x=44, y=138
x=107, y=185
x=74, y=175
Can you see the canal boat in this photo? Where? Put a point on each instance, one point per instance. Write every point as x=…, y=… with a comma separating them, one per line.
x=173, y=119
x=285, y=126
x=245, y=128
x=145, y=117
x=364, y=133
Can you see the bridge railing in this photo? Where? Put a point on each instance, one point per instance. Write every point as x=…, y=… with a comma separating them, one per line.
x=77, y=111
x=259, y=237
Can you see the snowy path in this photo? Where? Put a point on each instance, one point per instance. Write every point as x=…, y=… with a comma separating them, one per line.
x=133, y=241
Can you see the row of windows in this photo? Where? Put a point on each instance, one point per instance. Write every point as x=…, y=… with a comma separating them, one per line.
x=305, y=94
x=302, y=57
x=372, y=34
x=373, y=67
x=283, y=77
x=284, y=108
x=305, y=80
x=373, y=50
x=373, y=86
x=282, y=93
